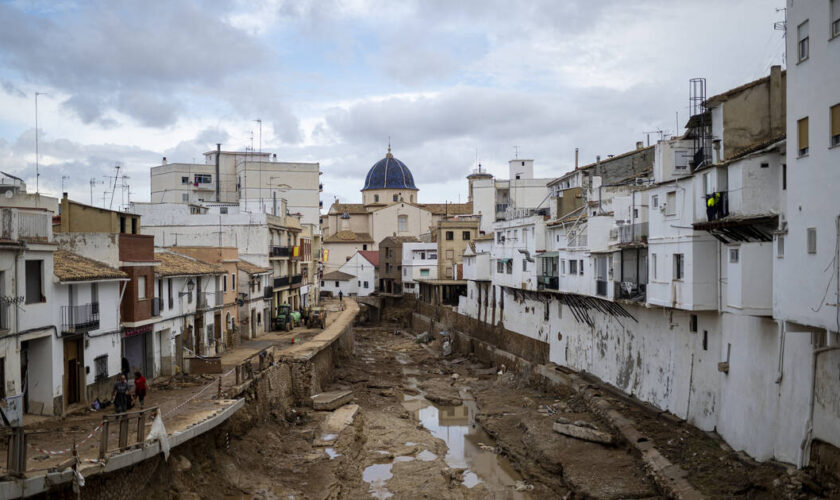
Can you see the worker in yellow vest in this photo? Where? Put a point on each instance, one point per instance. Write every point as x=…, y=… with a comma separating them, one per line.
x=713, y=206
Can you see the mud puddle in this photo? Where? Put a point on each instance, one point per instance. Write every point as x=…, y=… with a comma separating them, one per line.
x=469, y=447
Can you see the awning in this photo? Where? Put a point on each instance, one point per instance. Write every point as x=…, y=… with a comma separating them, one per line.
x=548, y=254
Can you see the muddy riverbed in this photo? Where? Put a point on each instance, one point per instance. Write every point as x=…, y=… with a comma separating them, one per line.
x=424, y=426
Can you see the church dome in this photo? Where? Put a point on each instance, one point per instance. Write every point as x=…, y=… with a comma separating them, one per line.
x=389, y=173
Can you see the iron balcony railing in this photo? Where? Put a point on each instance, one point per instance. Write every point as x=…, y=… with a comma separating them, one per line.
x=296, y=279
x=278, y=251
x=218, y=298
x=268, y=292
x=633, y=233
x=281, y=281
x=80, y=319
x=201, y=301
x=157, y=305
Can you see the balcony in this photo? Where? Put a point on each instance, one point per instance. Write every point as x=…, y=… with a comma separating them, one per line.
x=268, y=292
x=281, y=281
x=201, y=301
x=157, y=305
x=720, y=205
x=278, y=251
x=548, y=282
x=296, y=280
x=79, y=319
x=633, y=233
x=630, y=290
x=601, y=288
x=218, y=298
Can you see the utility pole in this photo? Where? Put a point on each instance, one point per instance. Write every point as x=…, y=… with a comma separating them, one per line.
x=116, y=176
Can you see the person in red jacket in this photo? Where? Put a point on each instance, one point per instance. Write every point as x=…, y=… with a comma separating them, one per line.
x=140, y=388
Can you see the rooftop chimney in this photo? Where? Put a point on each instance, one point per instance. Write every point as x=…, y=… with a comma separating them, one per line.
x=640, y=145
x=163, y=162
x=577, y=150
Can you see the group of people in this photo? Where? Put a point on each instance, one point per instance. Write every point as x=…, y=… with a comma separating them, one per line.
x=124, y=397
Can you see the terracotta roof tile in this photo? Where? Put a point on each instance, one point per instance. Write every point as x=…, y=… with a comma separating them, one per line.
x=252, y=268
x=176, y=264
x=337, y=276
x=68, y=266
x=448, y=208
x=372, y=256
x=349, y=237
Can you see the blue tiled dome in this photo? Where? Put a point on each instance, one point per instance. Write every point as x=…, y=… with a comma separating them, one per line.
x=389, y=173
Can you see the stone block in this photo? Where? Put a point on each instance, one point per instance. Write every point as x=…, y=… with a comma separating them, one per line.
x=327, y=401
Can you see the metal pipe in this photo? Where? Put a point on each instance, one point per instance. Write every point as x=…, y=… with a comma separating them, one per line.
x=218, y=180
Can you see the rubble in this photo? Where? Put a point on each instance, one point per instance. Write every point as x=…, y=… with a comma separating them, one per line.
x=586, y=433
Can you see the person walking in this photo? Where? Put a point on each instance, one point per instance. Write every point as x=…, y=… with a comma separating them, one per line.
x=140, y=388
x=340, y=297
x=120, y=395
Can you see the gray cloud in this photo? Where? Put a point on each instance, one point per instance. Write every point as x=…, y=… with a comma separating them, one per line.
x=12, y=89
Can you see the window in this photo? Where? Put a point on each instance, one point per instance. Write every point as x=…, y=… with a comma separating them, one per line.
x=185, y=197
x=34, y=281
x=707, y=183
x=692, y=323
x=499, y=237
x=509, y=266
x=671, y=203
x=812, y=240
x=679, y=266
x=524, y=265
x=259, y=318
x=449, y=272
x=635, y=213
x=402, y=223
x=395, y=198
x=223, y=210
x=424, y=272
x=185, y=180
x=336, y=284
x=141, y=287
x=450, y=235
x=432, y=256
x=366, y=284
x=233, y=281
x=94, y=293
x=364, y=247
x=765, y=165
x=573, y=266
x=835, y=125
x=545, y=312
x=654, y=201
x=653, y=266
x=465, y=236
x=100, y=367
x=224, y=283
x=122, y=223
x=835, y=18
x=359, y=283
x=803, y=38
x=563, y=267
x=784, y=176
x=580, y=265
x=500, y=267
x=322, y=284
x=203, y=178
x=780, y=247
x=734, y=255
x=802, y=129
x=376, y=198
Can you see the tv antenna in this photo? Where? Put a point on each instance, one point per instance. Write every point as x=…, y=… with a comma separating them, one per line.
x=657, y=131
x=258, y=120
x=516, y=152
x=37, y=157
x=94, y=182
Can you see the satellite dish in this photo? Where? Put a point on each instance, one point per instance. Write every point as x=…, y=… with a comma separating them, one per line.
x=9, y=193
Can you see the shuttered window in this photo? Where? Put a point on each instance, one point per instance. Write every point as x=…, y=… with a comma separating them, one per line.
x=812, y=240
x=802, y=127
x=835, y=125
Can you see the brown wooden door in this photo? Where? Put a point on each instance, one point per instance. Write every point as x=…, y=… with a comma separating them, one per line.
x=72, y=372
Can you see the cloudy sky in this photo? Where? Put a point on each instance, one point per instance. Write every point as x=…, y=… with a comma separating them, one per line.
x=129, y=82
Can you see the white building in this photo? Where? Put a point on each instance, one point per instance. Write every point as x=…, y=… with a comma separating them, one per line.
x=419, y=261
x=257, y=180
x=181, y=307
x=499, y=199
x=357, y=277
x=87, y=311
x=255, y=311
x=518, y=242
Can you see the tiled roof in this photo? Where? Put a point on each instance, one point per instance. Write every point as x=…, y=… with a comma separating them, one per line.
x=350, y=208
x=337, y=276
x=389, y=173
x=68, y=266
x=722, y=97
x=372, y=256
x=176, y=264
x=448, y=208
x=252, y=268
x=400, y=239
x=349, y=237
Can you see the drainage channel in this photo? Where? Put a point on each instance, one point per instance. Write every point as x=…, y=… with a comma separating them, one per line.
x=468, y=447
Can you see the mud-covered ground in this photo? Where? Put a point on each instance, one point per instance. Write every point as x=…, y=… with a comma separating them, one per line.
x=433, y=427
